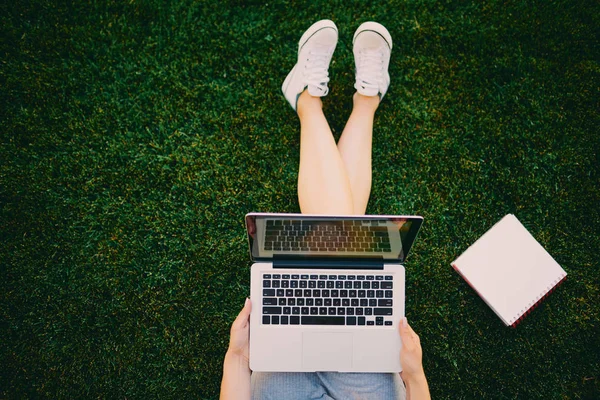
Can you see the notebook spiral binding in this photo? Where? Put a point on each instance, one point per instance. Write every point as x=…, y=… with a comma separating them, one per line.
x=536, y=303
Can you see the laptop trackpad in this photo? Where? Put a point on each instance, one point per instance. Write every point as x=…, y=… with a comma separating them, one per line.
x=327, y=351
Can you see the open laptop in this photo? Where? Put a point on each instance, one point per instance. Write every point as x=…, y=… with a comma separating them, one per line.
x=327, y=291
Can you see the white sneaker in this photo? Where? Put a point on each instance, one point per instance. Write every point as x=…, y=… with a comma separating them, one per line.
x=315, y=50
x=372, y=50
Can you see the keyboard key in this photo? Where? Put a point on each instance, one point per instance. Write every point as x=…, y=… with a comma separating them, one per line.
x=372, y=303
x=294, y=320
x=275, y=320
x=266, y=320
x=349, y=311
x=375, y=285
x=296, y=310
x=291, y=301
x=361, y=320
x=304, y=310
x=350, y=320
x=289, y=292
x=332, y=277
x=269, y=301
x=271, y=310
x=300, y=301
x=287, y=310
x=360, y=277
x=314, y=311
x=379, y=277
x=295, y=276
x=322, y=310
x=284, y=320
x=276, y=276
x=351, y=277
x=388, y=323
x=268, y=292
x=280, y=292
x=358, y=311
x=389, y=294
x=266, y=284
x=267, y=276
x=368, y=311
x=386, y=285
x=285, y=276
x=341, y=311
x=323, y=277
x=389, y=278
x=370, y=277
x=304, y=276
x=314, y=277
x=281, y=301
x=369, y=323
x=379, y=294
x=384, y=302
x=366, y=285
x=327, y=302
x=383, y=311
x=331, y=311
x=319, y=320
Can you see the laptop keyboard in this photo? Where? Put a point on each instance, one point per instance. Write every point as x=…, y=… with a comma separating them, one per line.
x=333, y=299
x=343, y=235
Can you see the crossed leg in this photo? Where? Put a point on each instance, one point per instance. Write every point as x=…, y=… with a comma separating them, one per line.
x=335, y=179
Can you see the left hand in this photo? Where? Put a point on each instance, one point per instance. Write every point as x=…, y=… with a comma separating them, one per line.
x=240, y=333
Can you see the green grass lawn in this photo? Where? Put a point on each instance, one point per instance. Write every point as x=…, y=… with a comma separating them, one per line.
x=137, y=134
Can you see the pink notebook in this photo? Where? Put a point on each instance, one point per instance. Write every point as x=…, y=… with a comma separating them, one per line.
x=510, y=270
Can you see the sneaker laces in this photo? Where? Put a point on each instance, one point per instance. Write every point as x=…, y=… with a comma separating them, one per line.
x=316, y=72
x=370, y=69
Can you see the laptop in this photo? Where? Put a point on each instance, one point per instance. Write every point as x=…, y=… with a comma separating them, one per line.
x=327, y=291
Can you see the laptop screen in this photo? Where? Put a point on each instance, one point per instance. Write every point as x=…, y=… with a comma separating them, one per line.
x=316, y=236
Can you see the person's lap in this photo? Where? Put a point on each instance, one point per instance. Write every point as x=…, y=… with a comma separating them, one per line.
x=326, y=385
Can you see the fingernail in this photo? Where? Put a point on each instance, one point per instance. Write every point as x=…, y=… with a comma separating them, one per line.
x=404, y=322
x=247, y=301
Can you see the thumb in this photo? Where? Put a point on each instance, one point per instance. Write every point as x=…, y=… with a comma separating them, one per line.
x=404, y=328
x=242, y=317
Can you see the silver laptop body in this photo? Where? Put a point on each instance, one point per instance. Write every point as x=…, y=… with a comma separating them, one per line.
x=327, y=291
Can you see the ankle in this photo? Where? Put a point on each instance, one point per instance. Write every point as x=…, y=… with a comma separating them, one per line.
x=308, y=103
x=365, y=103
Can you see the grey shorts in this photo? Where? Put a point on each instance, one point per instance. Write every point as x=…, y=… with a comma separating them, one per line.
x=326, y=385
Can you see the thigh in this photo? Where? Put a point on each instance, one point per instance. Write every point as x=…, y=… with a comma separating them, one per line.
x=363, y=385
x=287, y=385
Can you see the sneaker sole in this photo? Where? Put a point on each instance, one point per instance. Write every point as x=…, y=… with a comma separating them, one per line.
x=374, y=27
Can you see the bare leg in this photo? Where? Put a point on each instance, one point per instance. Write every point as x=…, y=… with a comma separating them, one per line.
x=355, y=149
x=323, y=185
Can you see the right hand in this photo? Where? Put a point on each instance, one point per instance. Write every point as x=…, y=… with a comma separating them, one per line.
x=411, y=355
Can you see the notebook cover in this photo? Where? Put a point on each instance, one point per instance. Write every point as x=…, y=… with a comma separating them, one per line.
x=509, y=270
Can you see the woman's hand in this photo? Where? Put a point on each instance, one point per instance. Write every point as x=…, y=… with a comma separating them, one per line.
x=236, y=366
x=239, y=334
x=411, y=356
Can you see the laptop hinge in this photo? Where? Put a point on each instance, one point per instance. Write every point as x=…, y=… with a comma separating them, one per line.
x=328, y=264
